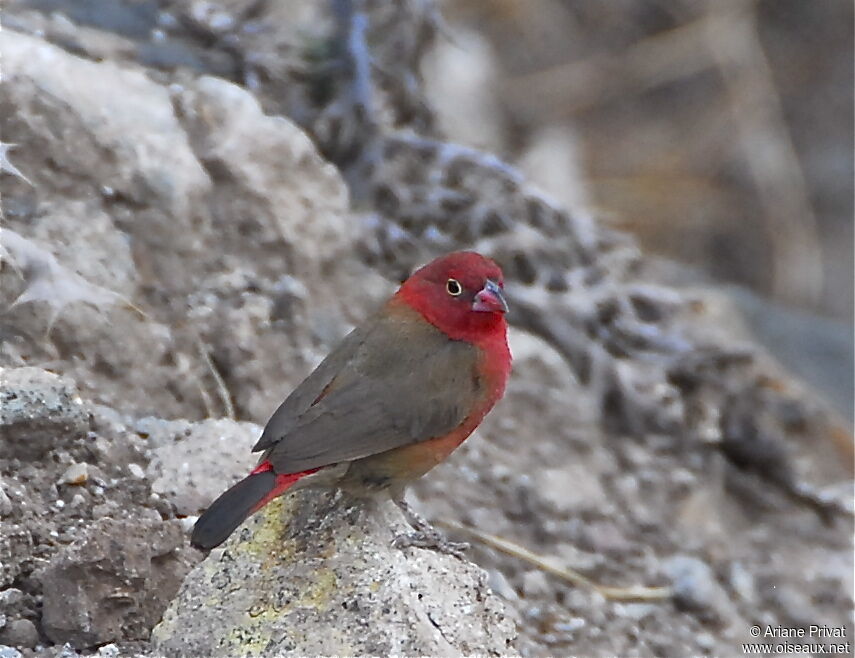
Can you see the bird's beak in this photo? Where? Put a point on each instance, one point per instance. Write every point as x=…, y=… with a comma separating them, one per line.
x=490, y=299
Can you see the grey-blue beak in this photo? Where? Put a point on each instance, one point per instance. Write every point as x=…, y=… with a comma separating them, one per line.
x=490, y=299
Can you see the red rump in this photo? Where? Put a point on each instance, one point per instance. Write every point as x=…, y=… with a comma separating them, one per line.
x=283, y=482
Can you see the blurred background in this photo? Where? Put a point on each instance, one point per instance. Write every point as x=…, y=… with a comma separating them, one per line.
x=717, y=132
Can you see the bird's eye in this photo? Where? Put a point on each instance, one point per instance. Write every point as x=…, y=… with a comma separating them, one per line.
x=453, y=287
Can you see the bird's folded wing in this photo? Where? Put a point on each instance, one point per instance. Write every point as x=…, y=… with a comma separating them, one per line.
x=389, y=393
x=311, y=389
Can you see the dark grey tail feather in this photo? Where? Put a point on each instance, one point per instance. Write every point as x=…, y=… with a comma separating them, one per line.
x=229, y=510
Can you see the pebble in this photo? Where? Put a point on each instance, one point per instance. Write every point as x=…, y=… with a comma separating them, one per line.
x=108, y=651
x=500, y=585
x=571, y=625
x=136, y=471
x=6, y=506
x=635, y=611
x=68, y=652
x=705, y=641
x=694, y=584
x=20, y=633
x=742, y=582
x=187, y=523
x=535, y=583
x=10, y=597
x=76, y=474
x=9, y=652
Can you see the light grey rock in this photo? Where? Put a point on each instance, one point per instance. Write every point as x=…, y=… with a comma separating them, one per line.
x=191, y=464
x=570, y=487
x=9, y=652
x=150, y=156
x=535, y=583
x=5, y=501
x=314, y=573
x=76, y=474
x=38, y=411
x=695, y=587
x=109, y=651
x=10, y=597
x=179, y=190
x=270, y=157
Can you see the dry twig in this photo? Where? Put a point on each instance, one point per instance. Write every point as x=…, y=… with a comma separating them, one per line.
x=633, y=593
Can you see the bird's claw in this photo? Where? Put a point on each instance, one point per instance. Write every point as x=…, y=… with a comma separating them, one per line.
x=425, y=535
x=433, y=541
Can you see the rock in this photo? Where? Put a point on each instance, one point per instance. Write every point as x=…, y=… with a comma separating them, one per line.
x=109, y=651
x=605, y=536
x=9, y=652
x=695, y=587
x=500, y=585
x=145, y=164
x=38, y=411
x=192, y=464
x=5, y=502
x=16, y=548
x=113, y=583
x=570, y=488
x=269, y=157
x=315, y=574
x=10, y=597
x=635, y=611
x=76, y=474
x=67, y=651
x=535, y=583
x=20, y=633
x=170, y=201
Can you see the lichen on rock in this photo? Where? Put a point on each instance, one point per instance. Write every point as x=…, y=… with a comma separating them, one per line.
x=315, y=573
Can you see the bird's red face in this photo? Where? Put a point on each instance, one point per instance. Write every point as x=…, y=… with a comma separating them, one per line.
x=461, y=294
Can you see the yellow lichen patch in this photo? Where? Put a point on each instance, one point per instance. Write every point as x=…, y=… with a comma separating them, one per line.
x=268, y=541
x=317, y=595
x=252, y=636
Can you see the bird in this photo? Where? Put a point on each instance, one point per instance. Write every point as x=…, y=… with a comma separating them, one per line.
x=390, y=402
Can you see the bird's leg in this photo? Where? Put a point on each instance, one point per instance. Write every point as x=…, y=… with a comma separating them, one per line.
x=425, y=535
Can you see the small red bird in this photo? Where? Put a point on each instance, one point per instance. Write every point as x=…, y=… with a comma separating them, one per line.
x=393, y=400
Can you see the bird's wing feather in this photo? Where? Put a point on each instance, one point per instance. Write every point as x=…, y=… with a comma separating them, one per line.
x=404, y=382
x=312, y=388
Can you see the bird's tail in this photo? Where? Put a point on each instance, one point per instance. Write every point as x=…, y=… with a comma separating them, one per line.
x=235, y=505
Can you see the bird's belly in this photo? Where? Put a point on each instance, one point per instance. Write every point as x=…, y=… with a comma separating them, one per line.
x=399, y=466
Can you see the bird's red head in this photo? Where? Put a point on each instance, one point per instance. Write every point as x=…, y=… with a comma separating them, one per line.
x=460, y=294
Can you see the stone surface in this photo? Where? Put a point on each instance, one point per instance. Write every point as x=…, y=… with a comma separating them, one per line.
x=150, y=157
x=695, y=586
x=110, y=584
x=21, y=633
x=315, y=574
x=38, y=411
x=194, y=207
x=193, y=463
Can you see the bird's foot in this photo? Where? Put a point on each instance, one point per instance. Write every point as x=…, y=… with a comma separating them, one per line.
x=425, y=535
x=432, y=540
